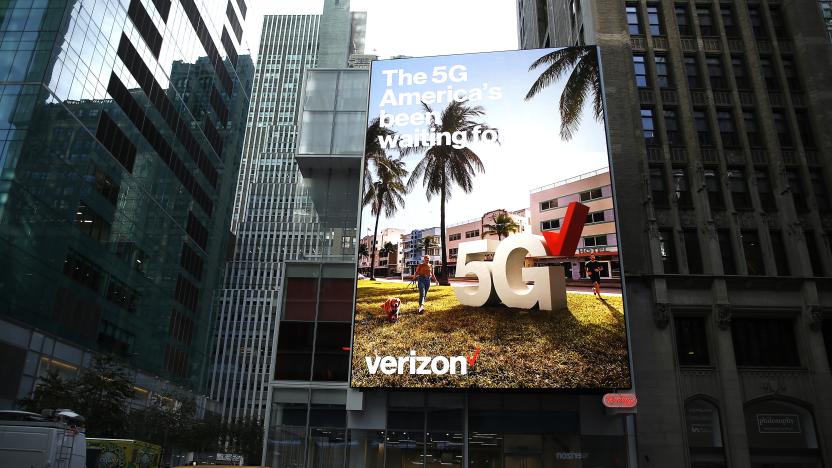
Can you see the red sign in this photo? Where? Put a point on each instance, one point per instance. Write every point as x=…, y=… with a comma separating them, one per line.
x=620, y=400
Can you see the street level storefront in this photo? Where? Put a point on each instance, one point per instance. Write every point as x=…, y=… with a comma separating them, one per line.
x=332, y=428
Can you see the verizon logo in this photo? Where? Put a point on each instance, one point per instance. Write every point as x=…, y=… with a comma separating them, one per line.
x=421, y=365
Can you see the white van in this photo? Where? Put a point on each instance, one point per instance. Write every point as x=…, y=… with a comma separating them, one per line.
x=53, y=440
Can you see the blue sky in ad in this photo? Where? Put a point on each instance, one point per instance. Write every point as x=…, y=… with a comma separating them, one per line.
x=531, y=153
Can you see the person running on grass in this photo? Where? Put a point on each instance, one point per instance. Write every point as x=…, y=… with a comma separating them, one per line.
x=593, y=271
x=424, y=274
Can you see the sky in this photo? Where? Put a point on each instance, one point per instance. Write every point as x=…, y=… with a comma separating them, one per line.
x=530, y=154
x=411, y=27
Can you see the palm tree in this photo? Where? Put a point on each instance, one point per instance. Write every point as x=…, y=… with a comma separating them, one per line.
x=386, y=249
x=584, y=80
x=427, y=243
x=373, y=148
x=503, y=225
x=443, y=166
x=385, y=194
x=363, y=251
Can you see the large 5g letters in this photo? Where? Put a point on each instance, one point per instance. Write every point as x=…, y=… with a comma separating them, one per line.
x=504, y=279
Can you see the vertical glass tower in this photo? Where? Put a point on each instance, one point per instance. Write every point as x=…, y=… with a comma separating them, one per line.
x=121, y=128
x=279, y=217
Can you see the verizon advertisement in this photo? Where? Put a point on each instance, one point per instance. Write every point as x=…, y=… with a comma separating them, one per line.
x=488, y=255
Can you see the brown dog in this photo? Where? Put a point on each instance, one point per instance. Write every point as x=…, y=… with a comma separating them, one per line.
x=391, y=308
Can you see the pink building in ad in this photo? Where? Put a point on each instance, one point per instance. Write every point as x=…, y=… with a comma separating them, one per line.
x=472, y=230
x=385, y=265
x=547, y=209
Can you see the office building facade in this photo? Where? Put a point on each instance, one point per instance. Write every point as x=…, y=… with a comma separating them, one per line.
x=276, y=218
x=717, y=115
x=122, y=125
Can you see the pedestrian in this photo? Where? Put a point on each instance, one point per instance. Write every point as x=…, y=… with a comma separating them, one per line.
x=424, y=275
x=593, y=271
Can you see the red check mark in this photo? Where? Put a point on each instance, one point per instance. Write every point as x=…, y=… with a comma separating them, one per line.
x=473, y=360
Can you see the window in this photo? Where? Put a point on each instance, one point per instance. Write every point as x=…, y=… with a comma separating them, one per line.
x=454, y=237
x=549, y=224
x=692, y=73
x=668, y=251
x=756, y=21
x=91, y=224
x=595, y=241
x=662, y=74
x=798, y=193
x=765, y=191
x=640, y=70
x=704, y=434
x=753, y=253
x=294, y=350
x=703, y=130
x=658, y=188
x=751, y=129
x=814, y=254
x=597, y=217
x=792, y=80
x=633, y=25
x=819, y=189
x=739, y=189
x=654, y=20
x=777, y=24
x=738, y=67
x=116, y=142
x=781, y=260
x=121, y=295
x=82, y=271
x=474, y=233
x=591, y=194
x=683, y=21
x=826, y=329
x=332, y=342
x=726, y=250
x=716, y=73
x=105, y=186
x=671, y=127
x=694, y=254
x=728, y=21
x=714, y=187
x=453, y=252
x=681, y=188
x=548, y=204
x=764, y=342
x=691, y=341
x=768, y=74
x=804, y=125
x=727, y=129
x=647, y=125
x=706, y=21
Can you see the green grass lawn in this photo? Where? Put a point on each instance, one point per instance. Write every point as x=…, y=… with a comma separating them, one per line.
x=583, y=347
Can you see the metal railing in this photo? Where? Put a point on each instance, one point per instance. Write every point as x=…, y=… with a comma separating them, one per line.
x=576, y=178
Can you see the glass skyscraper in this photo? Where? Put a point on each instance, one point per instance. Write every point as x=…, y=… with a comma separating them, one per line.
x=281, y=213
x=121, y=128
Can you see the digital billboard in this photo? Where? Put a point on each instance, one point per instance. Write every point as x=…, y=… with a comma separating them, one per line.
x=488, y=255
